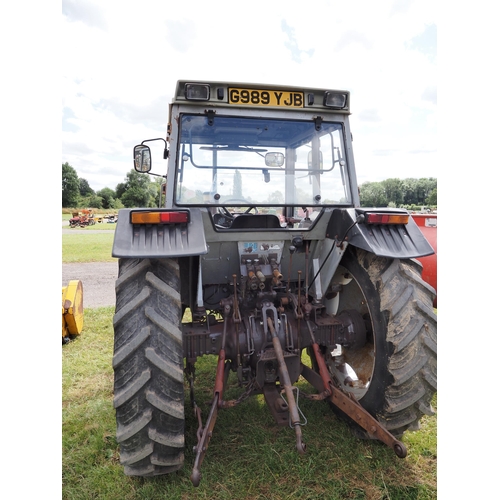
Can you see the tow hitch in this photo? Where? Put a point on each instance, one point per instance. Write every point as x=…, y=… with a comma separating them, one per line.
x=281, y=399
x=324, y=384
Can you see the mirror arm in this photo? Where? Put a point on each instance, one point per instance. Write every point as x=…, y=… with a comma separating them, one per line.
x=165, y=150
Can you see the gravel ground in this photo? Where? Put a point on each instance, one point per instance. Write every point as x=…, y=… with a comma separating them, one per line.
x=98, y=280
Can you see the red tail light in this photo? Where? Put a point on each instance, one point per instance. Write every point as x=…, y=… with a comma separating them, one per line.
x=381, y=218
x=159, y=217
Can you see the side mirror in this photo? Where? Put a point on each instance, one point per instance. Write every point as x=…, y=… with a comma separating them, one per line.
x=142, y=159
x=275, y=159
x=310, y=161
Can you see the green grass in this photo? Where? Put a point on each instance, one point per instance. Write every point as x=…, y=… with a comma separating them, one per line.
x=91, y=247
x=249, y=457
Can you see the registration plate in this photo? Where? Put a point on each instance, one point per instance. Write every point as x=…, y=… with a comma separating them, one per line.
x=254, y=97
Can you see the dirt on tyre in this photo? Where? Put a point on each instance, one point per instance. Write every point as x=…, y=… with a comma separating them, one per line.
x=394, y=374
x=148, y=367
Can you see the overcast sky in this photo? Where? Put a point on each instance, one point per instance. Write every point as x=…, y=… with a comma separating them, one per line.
x=121, y=61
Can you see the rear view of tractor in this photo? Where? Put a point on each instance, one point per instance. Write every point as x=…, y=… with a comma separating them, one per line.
x=261, y=254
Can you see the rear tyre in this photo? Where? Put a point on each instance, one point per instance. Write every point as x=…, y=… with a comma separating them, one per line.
x=148, y=366
x=394, y=375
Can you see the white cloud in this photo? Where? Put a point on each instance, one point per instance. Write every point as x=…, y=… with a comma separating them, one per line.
x=85, y=12
x=121, y=62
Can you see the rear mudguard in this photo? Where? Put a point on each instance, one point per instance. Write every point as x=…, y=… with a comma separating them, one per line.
x=159, y=241
x=402, y=241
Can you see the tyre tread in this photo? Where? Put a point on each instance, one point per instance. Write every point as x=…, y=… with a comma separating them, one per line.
x=412, y=331
x=148, y=366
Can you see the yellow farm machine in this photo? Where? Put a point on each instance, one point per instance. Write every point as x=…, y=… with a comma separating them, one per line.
x=72, y=310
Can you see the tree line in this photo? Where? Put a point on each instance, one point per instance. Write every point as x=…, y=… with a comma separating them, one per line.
x=400, y=193
x=139, y=190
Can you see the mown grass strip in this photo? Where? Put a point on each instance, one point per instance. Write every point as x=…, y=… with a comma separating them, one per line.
x=91, y=247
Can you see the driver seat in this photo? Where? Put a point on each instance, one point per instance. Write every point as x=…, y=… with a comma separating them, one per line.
x=257, y=221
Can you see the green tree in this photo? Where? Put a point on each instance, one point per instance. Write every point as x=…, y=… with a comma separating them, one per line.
x=276, y=197
x=120, y=190
x=108, y=197
x=432, y=199
x=135, y=191
x=424, y=189
x=372, y=194
x=156, y=190
x=84, y=187
x=393, y=190
x=409, y=191
x=91, y=201
x=70, y=186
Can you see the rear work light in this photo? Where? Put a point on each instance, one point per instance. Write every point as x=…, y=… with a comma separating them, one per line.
x=197, y=92
x=159, y=217
x=386, y=218
x=335, y=100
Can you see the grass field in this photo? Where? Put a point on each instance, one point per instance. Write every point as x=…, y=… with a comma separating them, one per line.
x=91, y=247
x=249, y=457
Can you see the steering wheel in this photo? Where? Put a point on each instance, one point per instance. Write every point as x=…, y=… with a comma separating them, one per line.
x=237, y=200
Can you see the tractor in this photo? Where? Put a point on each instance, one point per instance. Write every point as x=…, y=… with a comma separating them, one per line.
x=262, y=257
